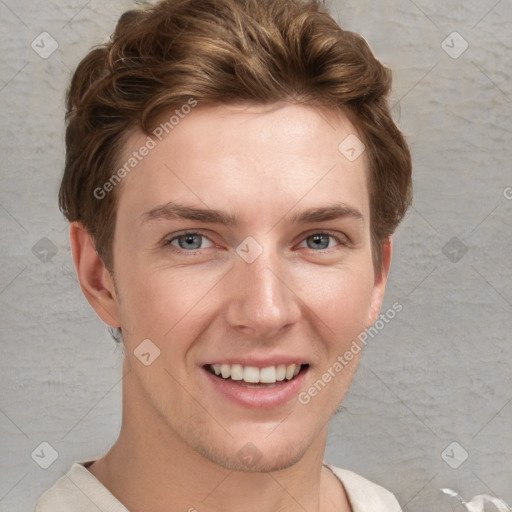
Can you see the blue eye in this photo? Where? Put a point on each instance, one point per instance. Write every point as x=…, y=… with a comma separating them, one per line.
x=321, y=240
x=188, y=241
x=193, y=241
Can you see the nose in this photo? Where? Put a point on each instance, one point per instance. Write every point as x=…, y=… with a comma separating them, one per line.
x=261, y=296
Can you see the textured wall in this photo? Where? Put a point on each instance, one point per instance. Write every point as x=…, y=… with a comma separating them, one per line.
x=437, y=374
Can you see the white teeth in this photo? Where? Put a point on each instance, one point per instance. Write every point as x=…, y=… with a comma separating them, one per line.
x=251, y=374
x=237, y=372
x=225, y=370
x=254, y=375
x=268, y=374
x=280, y=372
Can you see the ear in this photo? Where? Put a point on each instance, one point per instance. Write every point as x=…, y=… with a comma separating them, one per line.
x=379, y=286
x=95, y=280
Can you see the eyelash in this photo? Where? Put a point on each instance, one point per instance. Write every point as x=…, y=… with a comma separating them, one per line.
x=343, y=241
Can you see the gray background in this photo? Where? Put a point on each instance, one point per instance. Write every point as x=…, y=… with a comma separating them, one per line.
x=439, y=373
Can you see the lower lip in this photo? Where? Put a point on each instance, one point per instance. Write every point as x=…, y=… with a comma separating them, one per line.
x=258, y=398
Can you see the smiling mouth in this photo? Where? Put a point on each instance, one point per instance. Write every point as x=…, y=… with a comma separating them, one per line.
x=252, y=376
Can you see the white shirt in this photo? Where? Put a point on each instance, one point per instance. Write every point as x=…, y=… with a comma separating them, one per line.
x=80, y=491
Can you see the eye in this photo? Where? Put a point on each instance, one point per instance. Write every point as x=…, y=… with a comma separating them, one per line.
x=194, y=241
x=321, y=240
x=188, y=242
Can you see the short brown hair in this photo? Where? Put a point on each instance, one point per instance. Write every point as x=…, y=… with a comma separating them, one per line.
x=221, y=52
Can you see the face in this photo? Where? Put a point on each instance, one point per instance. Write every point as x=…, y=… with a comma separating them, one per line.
x=253, y=300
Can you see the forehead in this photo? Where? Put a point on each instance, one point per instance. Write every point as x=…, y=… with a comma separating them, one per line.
x=247, y=157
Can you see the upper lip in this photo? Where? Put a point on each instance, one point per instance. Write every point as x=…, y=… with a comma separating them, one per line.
x=259, y=362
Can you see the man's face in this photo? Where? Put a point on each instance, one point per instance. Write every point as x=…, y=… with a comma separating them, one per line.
x=266, y=291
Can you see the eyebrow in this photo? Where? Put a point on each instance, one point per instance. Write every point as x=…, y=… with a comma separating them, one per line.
x=174, y=210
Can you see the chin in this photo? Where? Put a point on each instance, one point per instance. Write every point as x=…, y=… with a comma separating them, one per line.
x=260, y=456
x=253, y=460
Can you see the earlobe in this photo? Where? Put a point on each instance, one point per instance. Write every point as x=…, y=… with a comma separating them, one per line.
x=379, y=286
x=95, y=280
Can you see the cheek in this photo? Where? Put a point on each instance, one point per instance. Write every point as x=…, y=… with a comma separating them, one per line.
x=165, y=304
x=340, y=299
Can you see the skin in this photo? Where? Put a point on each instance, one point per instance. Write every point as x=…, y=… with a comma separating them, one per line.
x=180, y=438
